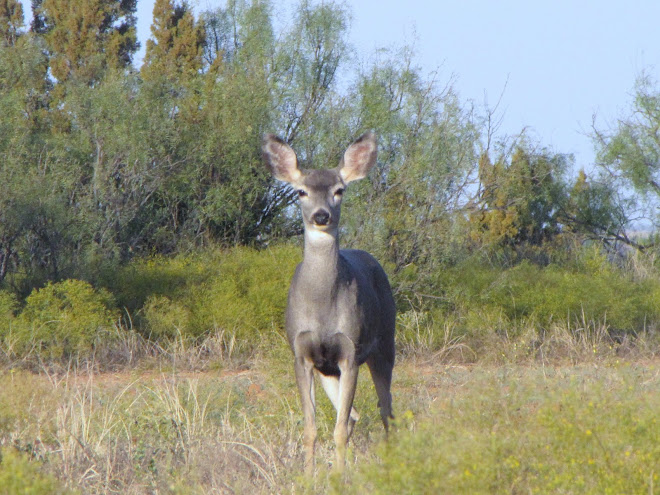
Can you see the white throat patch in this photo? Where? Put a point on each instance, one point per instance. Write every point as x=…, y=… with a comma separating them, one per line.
x=318, y=236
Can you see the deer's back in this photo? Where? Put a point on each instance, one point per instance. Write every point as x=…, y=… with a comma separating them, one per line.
x=375, y=303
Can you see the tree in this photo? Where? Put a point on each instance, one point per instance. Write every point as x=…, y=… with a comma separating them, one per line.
x=26, y=197
x=176, y=47
x=298, y=71
x=427, y=144
x=241, y=27
x=112, y=163
x=520, y=200
x=11, y=21
x=595, y=211
x=233, y=200
x=305, y=69
x=86, y=37
x=629, y=155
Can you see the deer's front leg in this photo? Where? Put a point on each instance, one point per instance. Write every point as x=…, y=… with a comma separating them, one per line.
x=305, y=379
x=347, y=384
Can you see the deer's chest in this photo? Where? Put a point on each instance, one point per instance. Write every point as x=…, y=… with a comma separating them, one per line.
x=325, y=311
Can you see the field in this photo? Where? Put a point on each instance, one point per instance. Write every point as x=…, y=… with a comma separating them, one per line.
x=146, y=253
x=174, y=377
x=527, y=427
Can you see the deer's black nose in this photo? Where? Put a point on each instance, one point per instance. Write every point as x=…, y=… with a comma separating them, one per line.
x=321, y=217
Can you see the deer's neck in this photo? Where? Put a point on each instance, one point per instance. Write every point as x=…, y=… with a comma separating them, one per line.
x=320, y=261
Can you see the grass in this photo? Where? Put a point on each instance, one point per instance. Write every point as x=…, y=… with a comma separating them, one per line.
x=177, y=379
x=479, y=428
x=578, y=429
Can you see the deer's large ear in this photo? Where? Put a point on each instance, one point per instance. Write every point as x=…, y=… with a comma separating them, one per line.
x=280, y=159
x=359, y=158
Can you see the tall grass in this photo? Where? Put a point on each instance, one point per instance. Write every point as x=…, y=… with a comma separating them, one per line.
x=525, y=430
x=459, y=429
x=149, y=433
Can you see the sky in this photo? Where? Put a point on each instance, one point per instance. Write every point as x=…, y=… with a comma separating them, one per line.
x=551, y=65
x=555, y=64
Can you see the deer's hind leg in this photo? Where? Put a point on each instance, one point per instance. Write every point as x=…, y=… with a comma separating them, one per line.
x=381, y=374
x=330, y=384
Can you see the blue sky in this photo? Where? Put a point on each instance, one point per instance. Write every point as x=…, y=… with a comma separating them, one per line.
x=558, y=62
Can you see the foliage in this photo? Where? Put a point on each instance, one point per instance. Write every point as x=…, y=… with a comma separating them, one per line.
x=236, y=295
x=239, y=295
x=241, y=292
x=594, y=210
x=176, y=47
x=143, y=182
x=101, y=163
x=11, y=21
x=591, y=290
x=427, y=142
x=63, y=320
x=519, y=202
x=20, y=475
x=629, y=154
x=87, y=37
x=8, y=308
x=28, y=204
x=633, y=151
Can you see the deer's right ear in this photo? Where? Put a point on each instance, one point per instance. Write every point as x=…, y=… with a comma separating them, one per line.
x=280, y=159
x=359, y=158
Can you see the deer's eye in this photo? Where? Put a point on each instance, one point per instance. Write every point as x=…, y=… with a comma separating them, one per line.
x=301, y=193
x=339, y=191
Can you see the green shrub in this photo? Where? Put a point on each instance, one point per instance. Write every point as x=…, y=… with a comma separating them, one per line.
x=248, y=295
x=20, y=475
x=166, y=318
x=8, y=305
x=8, y=308
x=143, y=278
x=593, y=289
x=64, y=319
x=240, y=291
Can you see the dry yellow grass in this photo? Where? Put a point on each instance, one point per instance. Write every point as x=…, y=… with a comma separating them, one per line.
x=514, y=427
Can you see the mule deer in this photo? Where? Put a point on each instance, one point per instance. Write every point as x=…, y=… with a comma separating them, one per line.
x=340, y=311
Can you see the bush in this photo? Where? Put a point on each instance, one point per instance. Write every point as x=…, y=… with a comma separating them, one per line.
x=143, y=278
x=592, y=289
x=166, y=318
x=240, y=291
x=8, y=307
x=248, y=295
x=240, y=294
x=64, y=319
x=20, y=475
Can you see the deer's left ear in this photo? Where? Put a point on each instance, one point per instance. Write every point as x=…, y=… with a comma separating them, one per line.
x=359, y=158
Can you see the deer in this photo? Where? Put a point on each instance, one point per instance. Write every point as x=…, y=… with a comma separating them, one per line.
x=340, y=309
